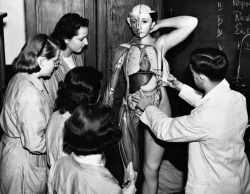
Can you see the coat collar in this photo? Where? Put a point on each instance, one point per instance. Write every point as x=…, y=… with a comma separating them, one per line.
x=38, y=83
x=222, y=87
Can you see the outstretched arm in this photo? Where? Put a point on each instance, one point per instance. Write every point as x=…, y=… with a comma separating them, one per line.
x=187, y=93
x=183, y=25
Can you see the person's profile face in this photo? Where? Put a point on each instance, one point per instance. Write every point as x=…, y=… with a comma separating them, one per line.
x=48, y=65
x=141, y=24
x=76, y=43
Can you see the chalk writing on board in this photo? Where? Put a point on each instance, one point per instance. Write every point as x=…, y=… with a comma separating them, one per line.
x=219, y=23
x=242, y=21
x=239, y=27
x=241, y=4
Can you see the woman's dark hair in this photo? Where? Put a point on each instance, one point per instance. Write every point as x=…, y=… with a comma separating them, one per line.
x=67, y=27
x=38, y=45
x=154, y=16
x=81, y=85
x=211, y=62
x=89, y=130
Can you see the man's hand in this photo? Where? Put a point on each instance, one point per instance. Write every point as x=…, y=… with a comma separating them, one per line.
x=174, y=82
x=142, y=101
x=130, y=102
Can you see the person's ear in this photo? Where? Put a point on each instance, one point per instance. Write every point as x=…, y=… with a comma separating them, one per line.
x=128, y=20
x=153, y=24
x=202, y=78
x=66, y=41
x=40, y=61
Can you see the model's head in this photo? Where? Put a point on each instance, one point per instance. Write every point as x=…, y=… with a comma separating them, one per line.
x=89, y=130
x=141, y=20
x=39, y=54
x=210, y=62
x=82, y=85
x=72, y=31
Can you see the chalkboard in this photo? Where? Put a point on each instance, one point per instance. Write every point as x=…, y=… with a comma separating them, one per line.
x=222, y=24
x=233, y=31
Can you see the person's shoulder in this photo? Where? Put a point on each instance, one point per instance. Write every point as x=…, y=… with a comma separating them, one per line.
x=64, y=161
x=26, y=88
x=57, y=114
x=119, y=51
x=121, y=48
x=55, y=117
x=61, y=167
x=125, y=45
x=237, y=96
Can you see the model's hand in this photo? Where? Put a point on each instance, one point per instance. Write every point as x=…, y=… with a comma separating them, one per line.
x=174, y=82
x=129, y=183
x=130, y=188
x=143, y=102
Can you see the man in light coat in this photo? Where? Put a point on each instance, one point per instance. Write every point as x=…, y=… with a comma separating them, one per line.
x=215, y=127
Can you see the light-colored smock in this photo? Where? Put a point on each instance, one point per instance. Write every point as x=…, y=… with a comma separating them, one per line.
x=54, y=136
x=215, y=128
x=59, y=74
x=25, y=114
x=70, y=176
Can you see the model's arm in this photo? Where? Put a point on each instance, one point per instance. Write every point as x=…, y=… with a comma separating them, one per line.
x=164, y=104
x=183, y=26
x=108, y=98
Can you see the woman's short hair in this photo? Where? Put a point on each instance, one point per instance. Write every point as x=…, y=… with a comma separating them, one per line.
x=38, y=45
x=67, y=27
x=81, y=85
x=154, y=16
x=89, y=130
x=211, y=62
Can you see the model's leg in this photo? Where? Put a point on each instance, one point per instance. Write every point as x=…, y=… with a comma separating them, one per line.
x=153, y=152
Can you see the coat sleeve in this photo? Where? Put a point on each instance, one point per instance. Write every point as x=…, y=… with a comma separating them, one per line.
x=31, y=121
x=180, y=129
x=190, y=95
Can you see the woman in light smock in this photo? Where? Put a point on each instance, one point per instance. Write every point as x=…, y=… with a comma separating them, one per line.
x=88, y=133
x=26, y=111
x=144, y=67
x=81, y=85
x=71, y=31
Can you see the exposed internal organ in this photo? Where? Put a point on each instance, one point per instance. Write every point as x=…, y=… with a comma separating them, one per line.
x=143, y=79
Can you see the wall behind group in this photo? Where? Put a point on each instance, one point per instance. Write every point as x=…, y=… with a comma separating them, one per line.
x=14, y=28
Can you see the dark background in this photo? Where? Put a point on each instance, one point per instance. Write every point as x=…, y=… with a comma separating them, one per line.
x=218, y=27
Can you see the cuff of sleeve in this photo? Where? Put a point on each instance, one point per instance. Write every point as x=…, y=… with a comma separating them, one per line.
x=184, y=91
x=147, y=114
